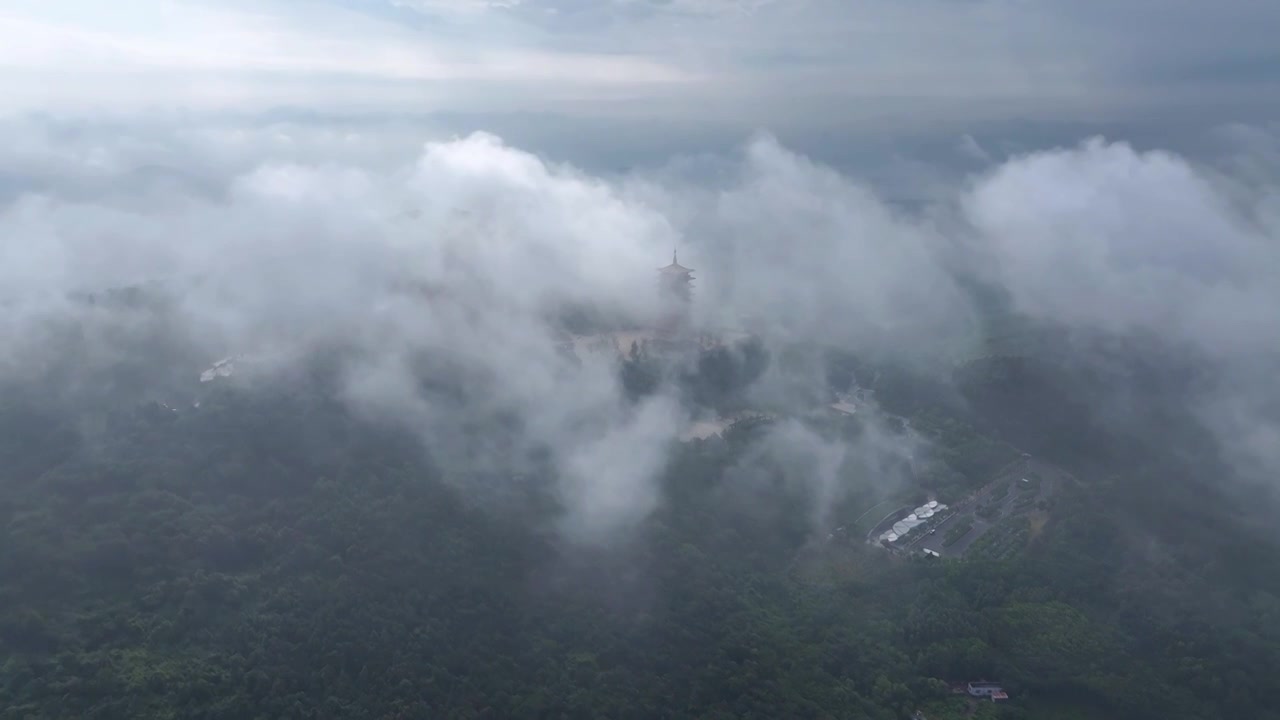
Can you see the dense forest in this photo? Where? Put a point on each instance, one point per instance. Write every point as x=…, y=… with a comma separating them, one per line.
x=270, y=554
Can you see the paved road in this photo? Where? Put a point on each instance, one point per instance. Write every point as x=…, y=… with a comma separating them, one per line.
x=1049, y=477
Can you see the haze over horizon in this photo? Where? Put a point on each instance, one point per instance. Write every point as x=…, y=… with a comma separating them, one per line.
x=617, y=82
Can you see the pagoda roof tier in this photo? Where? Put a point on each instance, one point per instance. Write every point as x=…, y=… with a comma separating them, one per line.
x=675, y=267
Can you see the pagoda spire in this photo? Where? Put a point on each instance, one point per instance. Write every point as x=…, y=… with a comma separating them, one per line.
x=673, y=257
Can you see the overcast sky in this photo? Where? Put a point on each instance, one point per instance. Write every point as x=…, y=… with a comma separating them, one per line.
x=813, y=71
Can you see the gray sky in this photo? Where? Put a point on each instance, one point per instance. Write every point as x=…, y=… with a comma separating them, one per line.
x=796, y=67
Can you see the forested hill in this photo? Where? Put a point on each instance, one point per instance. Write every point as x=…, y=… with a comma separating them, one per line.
x=270, y=555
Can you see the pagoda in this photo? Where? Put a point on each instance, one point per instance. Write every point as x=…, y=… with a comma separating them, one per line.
x=675, y=283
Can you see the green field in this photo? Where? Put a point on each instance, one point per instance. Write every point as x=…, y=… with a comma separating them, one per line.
x=960, y=529
x=867, y=518
x=1002, y=541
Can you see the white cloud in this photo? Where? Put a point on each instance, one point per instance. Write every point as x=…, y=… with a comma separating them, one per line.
x=283, y=257
x=1108, y=237
x=797, y=245
x=284, y=237
x=1103, y=237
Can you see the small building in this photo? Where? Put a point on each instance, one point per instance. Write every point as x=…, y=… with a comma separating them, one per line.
x=986, y=689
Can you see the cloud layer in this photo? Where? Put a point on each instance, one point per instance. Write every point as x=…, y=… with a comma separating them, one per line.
x=276, y=241
x=1104, y=238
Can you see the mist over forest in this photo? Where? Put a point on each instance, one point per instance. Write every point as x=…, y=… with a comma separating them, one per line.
x=310, y=421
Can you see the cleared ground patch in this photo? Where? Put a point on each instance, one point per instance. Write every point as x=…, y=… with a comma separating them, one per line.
x=1001, y=507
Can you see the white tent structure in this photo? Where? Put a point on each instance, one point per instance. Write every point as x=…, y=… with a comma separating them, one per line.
x=913, y=520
